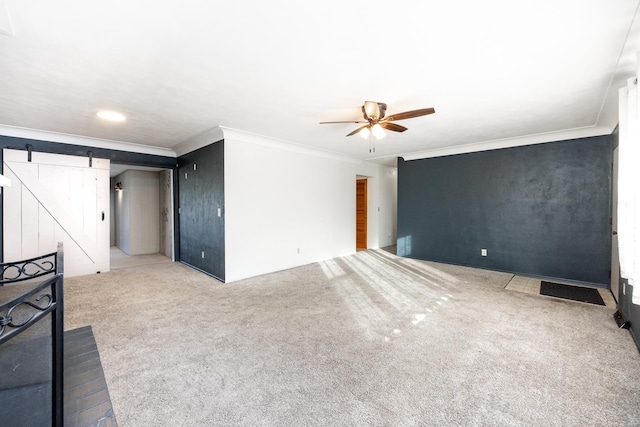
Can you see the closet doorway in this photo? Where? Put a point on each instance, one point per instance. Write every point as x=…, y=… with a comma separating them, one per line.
x=141, y=215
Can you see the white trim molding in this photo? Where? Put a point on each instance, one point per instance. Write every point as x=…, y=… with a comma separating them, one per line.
x=497, y=144
x=268, y=141
x=220, y=132
x=197, y=142
x=64, y=138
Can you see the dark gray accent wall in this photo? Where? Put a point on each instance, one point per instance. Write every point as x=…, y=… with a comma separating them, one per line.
x=541, y=210
x=201, y=194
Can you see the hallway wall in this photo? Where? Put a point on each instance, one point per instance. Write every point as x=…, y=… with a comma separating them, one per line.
x=137, y=208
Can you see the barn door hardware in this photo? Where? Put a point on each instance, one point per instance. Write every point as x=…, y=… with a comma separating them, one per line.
x=90, y=153
x=29, y=149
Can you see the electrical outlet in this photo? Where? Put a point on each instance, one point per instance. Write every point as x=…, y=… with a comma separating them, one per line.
x=483, y=252
x=202, y=254
x=298, y=250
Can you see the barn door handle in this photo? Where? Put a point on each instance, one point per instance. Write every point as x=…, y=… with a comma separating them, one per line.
x=103, y=215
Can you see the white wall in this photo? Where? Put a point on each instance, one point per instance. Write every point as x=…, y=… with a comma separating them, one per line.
x=388, y=190
x=280, y=197
x=166, y=213
x=112, y=212
x=122, y=209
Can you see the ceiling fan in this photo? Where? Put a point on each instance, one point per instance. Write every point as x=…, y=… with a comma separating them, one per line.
x=374, y=117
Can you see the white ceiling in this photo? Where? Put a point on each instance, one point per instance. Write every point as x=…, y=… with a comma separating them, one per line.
x=496, y=71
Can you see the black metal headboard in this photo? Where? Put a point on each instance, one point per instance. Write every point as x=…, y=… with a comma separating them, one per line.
x=18, y=271
x=35, y=302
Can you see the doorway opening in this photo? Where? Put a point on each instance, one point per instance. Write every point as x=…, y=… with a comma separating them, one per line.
x=141, y=215
x=361, y=214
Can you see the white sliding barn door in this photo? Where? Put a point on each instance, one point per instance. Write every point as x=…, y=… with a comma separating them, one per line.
x=57, y=198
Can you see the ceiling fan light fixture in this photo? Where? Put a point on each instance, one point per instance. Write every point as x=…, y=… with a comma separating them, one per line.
x=365, y=132
x=374, y=115
x=377, y=131
x=372, y=109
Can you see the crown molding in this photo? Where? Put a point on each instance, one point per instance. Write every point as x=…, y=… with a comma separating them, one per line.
x=497, y=144
x=221, y=132
x=199, y=141
x=266, y=141
x=64, y=138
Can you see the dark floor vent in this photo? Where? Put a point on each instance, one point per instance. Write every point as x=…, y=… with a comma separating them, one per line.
x=575, y=293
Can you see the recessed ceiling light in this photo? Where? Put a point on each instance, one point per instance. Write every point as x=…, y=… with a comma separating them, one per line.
x=112, y=116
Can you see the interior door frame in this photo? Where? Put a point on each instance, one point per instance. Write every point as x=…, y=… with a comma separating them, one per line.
x=366, y=211
x=172, y=200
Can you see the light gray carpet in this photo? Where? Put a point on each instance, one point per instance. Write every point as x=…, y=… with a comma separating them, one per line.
x=119, y=259
x=367, y=339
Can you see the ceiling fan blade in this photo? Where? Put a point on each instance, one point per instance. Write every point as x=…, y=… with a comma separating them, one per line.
x=357, y=130
x=411, y=114
x=346, y=121
x=392, y=126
